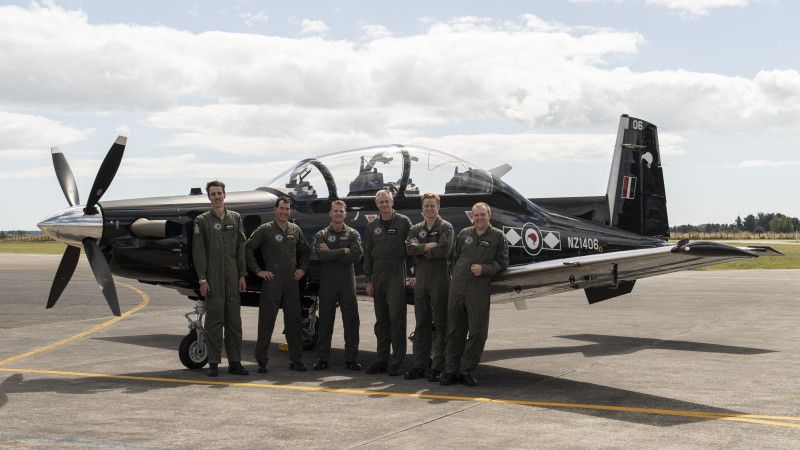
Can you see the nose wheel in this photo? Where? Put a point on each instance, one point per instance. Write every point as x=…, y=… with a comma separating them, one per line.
x=192, y=350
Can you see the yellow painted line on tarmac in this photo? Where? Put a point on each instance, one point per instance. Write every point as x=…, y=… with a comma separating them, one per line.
x=84, y=333
x=782, y=421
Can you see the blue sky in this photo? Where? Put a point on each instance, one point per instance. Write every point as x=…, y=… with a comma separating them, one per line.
x=237, y=90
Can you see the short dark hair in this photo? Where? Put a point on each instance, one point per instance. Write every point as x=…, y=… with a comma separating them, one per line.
x=284, y=199
x=216, y=183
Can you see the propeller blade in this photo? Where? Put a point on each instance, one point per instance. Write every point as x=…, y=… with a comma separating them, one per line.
x=102, y=273
x=65, y=177
x=106, y=174
x=64, y=273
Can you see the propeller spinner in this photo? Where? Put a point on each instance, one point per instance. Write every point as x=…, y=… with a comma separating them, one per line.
x=83, y=227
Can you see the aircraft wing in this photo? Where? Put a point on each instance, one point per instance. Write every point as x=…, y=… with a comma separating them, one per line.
x=608, y=275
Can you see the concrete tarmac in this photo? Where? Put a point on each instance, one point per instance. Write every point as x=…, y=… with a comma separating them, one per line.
x=700, y=359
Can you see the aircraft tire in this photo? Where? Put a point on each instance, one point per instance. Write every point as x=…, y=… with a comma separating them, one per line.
x=188, y=354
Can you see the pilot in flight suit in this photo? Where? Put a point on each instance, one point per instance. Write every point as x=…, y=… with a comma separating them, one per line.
x=338, y=247
x=430, y=243
x=218, y=256
x=385, y=272
x=286, y=255
x=480, y=252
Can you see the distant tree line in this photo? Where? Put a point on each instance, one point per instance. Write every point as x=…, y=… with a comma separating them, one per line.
x=21, y=235
x=759, y=223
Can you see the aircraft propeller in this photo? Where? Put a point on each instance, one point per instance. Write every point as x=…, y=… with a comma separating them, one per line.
x=62, y=225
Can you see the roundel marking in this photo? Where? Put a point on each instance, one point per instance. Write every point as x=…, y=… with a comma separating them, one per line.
x=532, y=239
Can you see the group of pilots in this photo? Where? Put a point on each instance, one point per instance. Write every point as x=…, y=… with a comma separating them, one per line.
x=451, y=282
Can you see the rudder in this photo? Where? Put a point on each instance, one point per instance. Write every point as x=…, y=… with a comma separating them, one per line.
x=637, y=201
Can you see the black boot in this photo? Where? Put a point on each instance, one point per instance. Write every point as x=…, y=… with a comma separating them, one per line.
x=469, y=380
x=212, y=370
x=352, y=365
x=413, y=374
x=236, y=368
x=320, y=365
x=298, y=366
x=376, y=367
x=448, y=378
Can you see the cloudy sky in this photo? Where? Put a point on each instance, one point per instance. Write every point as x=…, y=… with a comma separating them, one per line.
x=237, y=89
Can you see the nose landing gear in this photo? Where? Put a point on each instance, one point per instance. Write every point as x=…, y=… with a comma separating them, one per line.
x=192, y=350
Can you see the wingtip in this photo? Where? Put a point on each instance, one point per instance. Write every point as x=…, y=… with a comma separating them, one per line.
x=121, y=140
x=54, y=150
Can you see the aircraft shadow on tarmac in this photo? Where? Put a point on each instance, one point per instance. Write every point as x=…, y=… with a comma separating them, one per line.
x=499, y=382
x=606, y=345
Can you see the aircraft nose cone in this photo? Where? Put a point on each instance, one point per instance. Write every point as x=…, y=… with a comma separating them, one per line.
x=71, y=226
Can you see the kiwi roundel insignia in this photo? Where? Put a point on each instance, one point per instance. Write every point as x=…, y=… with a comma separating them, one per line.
x=532, y=239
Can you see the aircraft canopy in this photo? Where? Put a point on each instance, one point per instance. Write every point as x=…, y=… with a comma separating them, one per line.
x=403, y=170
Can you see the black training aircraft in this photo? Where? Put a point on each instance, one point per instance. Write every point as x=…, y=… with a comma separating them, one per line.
x=599, y=244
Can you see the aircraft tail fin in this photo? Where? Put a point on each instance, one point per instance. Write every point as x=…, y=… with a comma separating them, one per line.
x=637, y=201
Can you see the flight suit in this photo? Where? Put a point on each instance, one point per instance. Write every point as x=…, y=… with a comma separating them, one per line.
x=283, y=253
x=218, y=256
x=338, y=284
x=430, y=292
x=468, y=301
x=385, y=267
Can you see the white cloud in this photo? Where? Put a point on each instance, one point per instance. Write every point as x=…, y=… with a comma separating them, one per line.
x=309, y=26
x=761, y=163
x=536, y=23
x=697, y=7
x=251, y=19
x=264, y=93
x=373, y=31
x=170, y=166
x=689, y=8
x=24, y=131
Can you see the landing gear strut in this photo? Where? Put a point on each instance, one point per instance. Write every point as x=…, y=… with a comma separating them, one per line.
x=192, y=350
x=310, y=322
